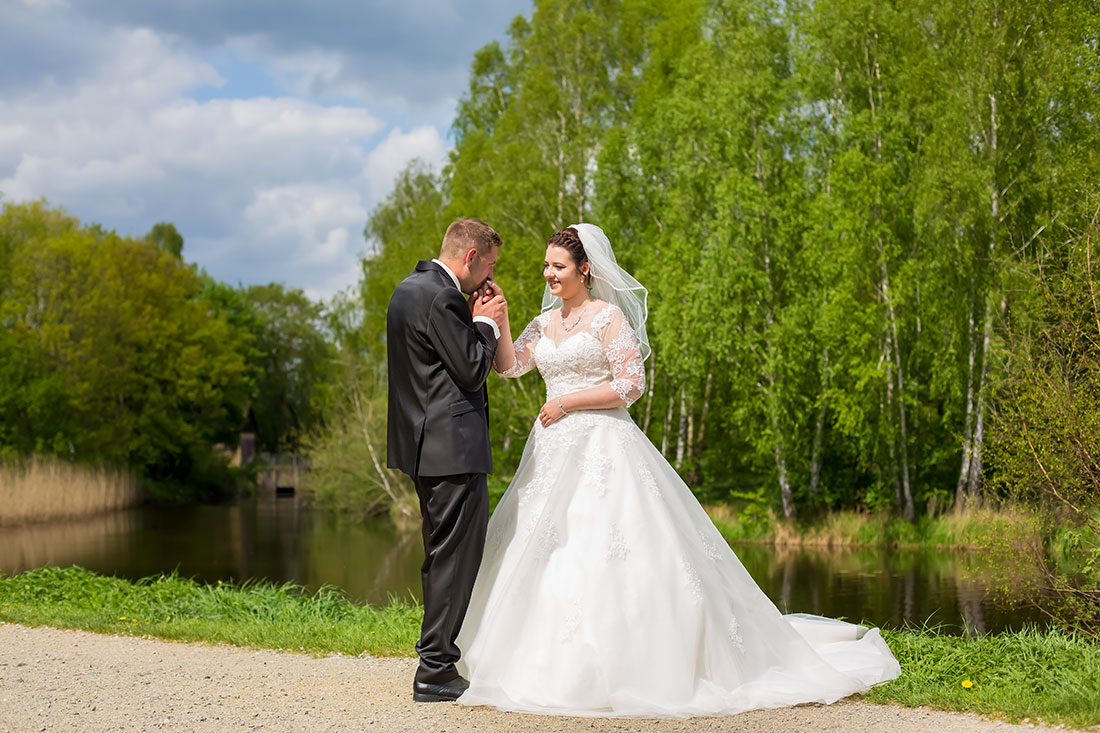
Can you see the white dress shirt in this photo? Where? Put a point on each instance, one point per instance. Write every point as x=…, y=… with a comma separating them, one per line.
x=483, y=319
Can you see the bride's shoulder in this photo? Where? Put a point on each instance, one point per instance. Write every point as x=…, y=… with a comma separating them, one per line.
x=608, y=306
x=605, y=309
x=606, y=313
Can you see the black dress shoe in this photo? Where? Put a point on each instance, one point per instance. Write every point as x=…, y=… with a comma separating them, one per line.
x=446, y=692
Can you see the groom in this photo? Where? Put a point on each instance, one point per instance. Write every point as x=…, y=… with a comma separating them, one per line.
x=441, y=347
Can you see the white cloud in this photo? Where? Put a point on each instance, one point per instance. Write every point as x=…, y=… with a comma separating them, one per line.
x=396, y=151
x=262, y=189
x=102, y=118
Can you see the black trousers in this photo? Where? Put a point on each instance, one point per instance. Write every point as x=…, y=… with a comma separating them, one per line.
x=455, y=513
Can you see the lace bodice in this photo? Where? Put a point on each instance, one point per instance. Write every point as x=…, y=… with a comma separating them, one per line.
x=601, y=351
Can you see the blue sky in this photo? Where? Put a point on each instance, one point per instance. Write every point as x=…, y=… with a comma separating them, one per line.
x=265, y=131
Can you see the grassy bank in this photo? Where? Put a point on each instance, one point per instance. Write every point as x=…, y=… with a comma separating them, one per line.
x=1030, y=675
x=1044, y=675
x=259, y=615
x=978, y=528
x=39, y=489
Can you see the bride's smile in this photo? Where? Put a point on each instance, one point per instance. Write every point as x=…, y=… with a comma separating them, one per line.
x=562, y=275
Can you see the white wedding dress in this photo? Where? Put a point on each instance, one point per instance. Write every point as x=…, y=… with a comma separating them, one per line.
x=605, y=589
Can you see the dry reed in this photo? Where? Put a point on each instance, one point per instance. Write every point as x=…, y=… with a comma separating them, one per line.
x=42, y=489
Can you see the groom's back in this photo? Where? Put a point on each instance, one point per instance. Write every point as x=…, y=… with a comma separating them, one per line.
x=408, y=353
x=435, y=427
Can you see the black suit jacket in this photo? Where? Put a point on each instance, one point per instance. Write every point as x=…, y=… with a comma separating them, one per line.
x=439, y=359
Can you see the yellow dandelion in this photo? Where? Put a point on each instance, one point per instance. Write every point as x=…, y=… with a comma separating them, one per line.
x=121, y=618
x=967, y=684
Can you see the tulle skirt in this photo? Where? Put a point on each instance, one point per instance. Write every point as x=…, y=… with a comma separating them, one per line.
x=606, y=590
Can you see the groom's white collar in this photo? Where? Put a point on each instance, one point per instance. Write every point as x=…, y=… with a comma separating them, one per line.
x=447, y=270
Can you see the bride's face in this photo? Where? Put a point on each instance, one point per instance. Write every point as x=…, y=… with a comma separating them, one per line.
x=561, y=273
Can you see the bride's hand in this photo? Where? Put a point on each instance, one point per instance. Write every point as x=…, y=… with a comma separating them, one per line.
x=551, y=412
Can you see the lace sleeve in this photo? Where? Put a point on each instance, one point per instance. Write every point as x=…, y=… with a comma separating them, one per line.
x=623, y=354
x=525, y=349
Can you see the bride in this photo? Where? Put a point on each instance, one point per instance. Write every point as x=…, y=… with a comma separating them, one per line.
x=605, y=590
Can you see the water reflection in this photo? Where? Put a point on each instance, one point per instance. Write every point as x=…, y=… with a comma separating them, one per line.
x=283, y=540
x=884, y=587
x=275, y=539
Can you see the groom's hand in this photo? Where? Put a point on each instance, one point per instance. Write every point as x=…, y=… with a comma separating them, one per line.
x=495, y=308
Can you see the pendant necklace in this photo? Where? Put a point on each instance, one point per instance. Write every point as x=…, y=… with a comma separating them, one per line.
x=569, y=327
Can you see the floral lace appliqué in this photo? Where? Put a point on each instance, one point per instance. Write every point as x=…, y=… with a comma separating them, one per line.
x=734, y=632
x=616, y=546
x=548, y=541
x=587, y=357
x=709, y=547
x=595, y=470
x=691, y=578
x=571, y=622
x=524, y=347
x=648, y=480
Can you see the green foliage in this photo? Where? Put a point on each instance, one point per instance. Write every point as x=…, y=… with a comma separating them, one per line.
x=295, y=365
x=754, y=514
x=109, y=354
x=348, y=456
x=166, y=238
x=827, y=201
x=1047, y=449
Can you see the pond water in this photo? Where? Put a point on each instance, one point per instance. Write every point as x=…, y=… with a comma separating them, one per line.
x=283, y=539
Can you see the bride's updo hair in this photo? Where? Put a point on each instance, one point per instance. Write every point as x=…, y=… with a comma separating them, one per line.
x=569, y=240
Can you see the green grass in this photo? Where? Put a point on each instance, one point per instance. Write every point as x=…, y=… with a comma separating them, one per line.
x=1036, y=674
x=262, y=615
x=1046, y=675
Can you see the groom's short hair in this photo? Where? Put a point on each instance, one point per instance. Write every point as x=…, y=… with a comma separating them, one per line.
x=463, y=234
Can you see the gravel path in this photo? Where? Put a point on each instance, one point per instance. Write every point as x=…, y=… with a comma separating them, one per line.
x=58, y=680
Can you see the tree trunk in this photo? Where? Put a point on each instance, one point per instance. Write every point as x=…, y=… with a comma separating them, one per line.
x=819, y=428
x=690, y=442
x=365, y=429
x=698, y=449
x=668, y=422
x=905, y=497
x=682, y=435
x=695, y=448
x=968, y=425
x=886, y=412
x=561, y=169
x=781, y=466
x=907, y=494
x=974, y=477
